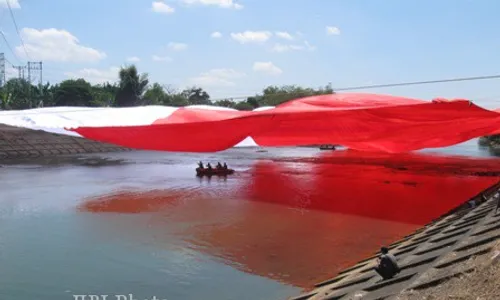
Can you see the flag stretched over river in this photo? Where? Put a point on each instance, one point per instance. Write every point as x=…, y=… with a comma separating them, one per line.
x=366, y=122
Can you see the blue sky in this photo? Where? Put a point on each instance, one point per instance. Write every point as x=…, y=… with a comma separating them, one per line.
x=369, y=42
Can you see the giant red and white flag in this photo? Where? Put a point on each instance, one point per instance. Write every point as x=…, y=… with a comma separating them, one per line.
x=366, y=122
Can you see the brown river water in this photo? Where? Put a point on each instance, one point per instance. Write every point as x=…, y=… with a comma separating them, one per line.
x=143, y=224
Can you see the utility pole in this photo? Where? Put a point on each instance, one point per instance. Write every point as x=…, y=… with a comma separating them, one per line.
x=29, y=72
x=20, y=71
x=35, y=66
x=2, y=69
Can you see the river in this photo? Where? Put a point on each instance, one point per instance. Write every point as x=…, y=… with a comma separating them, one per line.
x=143, y=224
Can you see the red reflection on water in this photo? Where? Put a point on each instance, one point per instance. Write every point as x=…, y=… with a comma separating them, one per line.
x=309, y=218
x=298, y=248
x=133, y=202
x=129, y=202
x=410, y=188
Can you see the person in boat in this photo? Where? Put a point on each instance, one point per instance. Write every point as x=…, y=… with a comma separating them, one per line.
x=219, y=166
x=209, y=166
x=224, y=166
x=387, y=264
x=200, y=165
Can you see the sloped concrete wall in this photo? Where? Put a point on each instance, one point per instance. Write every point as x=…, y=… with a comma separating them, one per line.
x=23, y=143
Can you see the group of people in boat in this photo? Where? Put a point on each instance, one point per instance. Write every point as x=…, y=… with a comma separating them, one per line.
x=219, y=166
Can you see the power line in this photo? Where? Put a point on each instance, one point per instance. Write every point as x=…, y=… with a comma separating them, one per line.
x=8, y=45
x=17, y=29
x=364, y=87
x=11, y=64
x=355, y=87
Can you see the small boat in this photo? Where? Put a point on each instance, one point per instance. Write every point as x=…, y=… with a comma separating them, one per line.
x=213, y=172
x=327, y=147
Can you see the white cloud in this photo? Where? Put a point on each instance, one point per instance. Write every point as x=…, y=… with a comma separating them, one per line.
x=96, y=76
x=309, y=47
x=331, y=30
x=177, y=46
x=56, y=45
x=284, y=35
x=13, y=4
x=219, y=3
x=217, y=78
x=216, y=35
x=267, y=68
x=285, y=48
x=161, y=58
x=133, y=59
x=251, y=36
x=162, y=8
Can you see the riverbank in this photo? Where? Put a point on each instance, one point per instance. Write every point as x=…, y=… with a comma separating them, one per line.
x=480, y=283
x=434, y=260
x=20, y=143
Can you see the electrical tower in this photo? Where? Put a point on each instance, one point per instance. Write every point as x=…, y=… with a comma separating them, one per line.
x=35, y=66
x=20, y=71
x=2, y=69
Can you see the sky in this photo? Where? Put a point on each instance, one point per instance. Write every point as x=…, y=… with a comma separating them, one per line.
x=235, y=48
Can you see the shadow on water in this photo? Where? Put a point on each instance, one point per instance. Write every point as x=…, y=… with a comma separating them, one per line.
x=302, y=220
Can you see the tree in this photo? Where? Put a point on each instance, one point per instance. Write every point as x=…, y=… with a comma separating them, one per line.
x=132, y=87
x=16, y=94
x=253, y=101
x=197, y=96
x=243, y=105
x=43, y=95
x=492, y=143
x=225, y=103
x=73, y=93
x=155, y=95
x=103, y=95
x=5, y=99
x=177, y=100
x=274, y=95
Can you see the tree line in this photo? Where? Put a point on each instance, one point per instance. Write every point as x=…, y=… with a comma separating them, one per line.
x=492, y=143
x=135, y=89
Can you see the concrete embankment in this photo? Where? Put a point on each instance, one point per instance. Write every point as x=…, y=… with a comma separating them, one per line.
x=19, y=143
x=433, y=255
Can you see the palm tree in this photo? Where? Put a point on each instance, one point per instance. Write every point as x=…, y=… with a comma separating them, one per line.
x=43, y=95
x=132, y=86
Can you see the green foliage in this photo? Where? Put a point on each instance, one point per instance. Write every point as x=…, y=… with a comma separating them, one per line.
x=132, y=89
x=73, y=93
x=490, y=140
x=274, y=95
x=492, y=143
x=17, y=94
x=155, y=95
x=243, y=105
